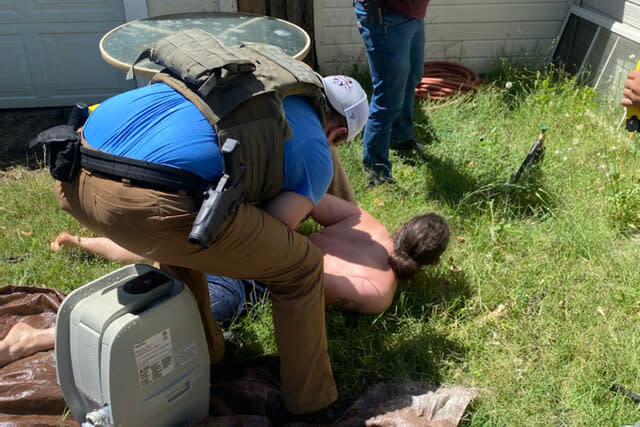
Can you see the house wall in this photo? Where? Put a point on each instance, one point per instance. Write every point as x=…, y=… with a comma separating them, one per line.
x=50, y=52
x=472, y=32
x=165, y=7
x=627, y=12
x=137, y=9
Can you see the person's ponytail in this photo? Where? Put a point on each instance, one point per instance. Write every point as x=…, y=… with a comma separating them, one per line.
x=403, y=265
x=420, y=241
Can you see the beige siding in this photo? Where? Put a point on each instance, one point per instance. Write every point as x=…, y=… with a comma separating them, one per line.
x=472, y=32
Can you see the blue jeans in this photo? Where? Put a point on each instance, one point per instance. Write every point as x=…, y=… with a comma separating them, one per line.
x=395, y=52
x=228, y=296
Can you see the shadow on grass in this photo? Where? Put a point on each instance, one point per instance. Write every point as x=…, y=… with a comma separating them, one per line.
x=402, y=343
x=424, y=130
x=389, y=350
x=527, y=198
x=448, y=183
x=434, y=287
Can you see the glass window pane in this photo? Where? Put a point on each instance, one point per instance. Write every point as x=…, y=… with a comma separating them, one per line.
x=574, y=43
x=614, y=72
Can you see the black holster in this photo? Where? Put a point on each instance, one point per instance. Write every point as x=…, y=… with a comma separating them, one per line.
x=221, y=201
x=61, y=145
x=374, y=11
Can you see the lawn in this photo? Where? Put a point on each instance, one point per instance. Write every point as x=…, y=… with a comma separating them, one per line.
x=536, y=302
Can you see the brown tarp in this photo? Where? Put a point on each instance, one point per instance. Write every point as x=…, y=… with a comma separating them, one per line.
x=29, y=392
x=245, y=394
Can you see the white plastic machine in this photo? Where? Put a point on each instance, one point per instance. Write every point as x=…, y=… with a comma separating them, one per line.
x=131, y=351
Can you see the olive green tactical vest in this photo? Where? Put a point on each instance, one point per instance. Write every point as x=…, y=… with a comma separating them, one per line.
x=240, y=92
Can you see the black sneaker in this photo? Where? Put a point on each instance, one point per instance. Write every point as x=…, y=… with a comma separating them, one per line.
x=325, y=416
x=375, y=178
x=405, y=146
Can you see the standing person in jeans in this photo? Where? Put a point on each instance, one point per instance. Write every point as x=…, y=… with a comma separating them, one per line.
x=393, y=35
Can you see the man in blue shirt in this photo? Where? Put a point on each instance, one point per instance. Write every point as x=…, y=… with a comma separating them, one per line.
x=150, y=124
x=159, y=125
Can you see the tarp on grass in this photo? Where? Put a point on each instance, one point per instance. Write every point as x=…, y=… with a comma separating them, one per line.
x=241, y=395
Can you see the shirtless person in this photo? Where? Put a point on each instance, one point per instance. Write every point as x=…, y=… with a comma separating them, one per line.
x=362, y=263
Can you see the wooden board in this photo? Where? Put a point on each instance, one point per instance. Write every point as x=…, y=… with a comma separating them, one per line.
x=252, y=6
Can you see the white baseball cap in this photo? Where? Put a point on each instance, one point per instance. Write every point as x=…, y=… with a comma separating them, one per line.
x=349, y=99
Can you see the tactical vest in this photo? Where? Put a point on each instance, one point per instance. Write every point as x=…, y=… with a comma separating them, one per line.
x=240, y=92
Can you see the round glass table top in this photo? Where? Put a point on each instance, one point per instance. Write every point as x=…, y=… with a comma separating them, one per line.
x=122, y=45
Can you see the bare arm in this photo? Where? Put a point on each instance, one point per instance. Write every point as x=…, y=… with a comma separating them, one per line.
x=102, y=246
x=331, y=210
x=289, y=207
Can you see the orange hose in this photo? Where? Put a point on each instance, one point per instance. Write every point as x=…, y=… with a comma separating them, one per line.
x=442, y=80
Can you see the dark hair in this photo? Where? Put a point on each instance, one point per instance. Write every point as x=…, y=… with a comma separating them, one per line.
x=332, y=113
x=420, y=241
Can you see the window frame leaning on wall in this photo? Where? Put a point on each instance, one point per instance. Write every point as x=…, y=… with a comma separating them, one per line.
x=604, y=61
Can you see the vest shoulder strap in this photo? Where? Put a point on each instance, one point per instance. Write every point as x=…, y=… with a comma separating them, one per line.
x=224, y=77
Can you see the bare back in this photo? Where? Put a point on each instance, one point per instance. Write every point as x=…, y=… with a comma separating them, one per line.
x=356, y=250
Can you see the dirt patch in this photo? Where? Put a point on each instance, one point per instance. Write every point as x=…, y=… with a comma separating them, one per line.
x=18, y=127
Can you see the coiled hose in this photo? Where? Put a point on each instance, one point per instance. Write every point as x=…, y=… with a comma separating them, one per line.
x=442, y=80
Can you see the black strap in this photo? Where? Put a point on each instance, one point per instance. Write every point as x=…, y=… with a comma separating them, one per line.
x=140, y=173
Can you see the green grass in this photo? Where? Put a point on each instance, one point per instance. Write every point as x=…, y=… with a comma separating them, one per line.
x=536, y=302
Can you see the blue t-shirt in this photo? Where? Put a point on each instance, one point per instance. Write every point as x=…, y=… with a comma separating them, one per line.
x=157, y=124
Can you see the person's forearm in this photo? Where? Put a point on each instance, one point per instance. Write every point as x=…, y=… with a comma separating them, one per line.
x=108, y=249
x=631, y=92
x=331, y=210
x=289, y=207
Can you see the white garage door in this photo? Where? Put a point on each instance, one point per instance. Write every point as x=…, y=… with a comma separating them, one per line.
x=49, y=52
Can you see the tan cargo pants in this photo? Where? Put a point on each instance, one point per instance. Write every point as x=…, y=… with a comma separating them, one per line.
x=250, y=245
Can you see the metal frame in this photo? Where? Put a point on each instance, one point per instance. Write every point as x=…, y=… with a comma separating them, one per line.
x=615, y=27
x=135, y=9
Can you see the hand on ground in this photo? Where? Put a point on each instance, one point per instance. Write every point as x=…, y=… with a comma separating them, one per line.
x=63, y=239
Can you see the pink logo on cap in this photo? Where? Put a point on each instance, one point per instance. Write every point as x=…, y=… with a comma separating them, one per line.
x=344, y=82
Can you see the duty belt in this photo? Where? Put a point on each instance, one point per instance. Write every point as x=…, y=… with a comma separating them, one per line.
x=140, y=173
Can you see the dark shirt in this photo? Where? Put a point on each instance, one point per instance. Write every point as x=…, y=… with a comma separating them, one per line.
x=413, y=8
